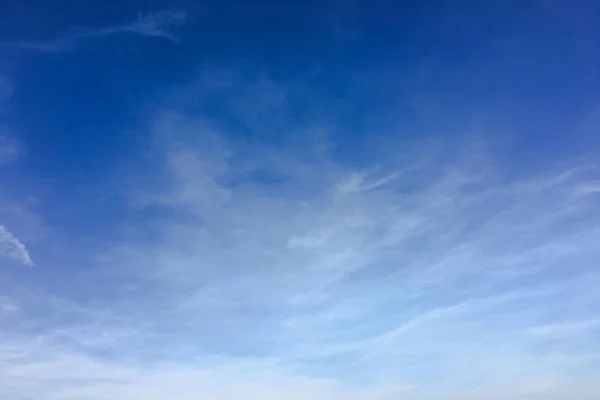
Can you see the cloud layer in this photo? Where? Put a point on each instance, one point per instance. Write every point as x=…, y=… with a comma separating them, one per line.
x=254, y=240
x=248, y=271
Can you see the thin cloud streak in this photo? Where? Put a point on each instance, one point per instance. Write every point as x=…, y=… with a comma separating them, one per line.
x=151, y=25
x=13, y=248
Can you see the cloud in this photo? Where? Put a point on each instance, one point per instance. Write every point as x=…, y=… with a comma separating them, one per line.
x=567, y=328
x=589, y=188
x=151, y=25
x=253, y=270
x=51, y=372
x=314, y=278
x=357, y=181
x=40, y=373
x=12, y=247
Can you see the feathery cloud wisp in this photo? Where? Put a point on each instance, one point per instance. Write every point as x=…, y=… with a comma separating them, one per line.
x=261, y=272
x=153, y=25
x=13, y=247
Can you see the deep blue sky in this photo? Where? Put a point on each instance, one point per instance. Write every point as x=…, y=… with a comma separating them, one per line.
x=516, y=60
x=269, y=199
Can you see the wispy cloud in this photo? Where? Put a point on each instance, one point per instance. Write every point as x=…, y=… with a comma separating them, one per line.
x=13, y=248
x=374, y=277
x=153, y=25
x=565, y=328
x=41, y=372
x=359, y=181
x=248, y=271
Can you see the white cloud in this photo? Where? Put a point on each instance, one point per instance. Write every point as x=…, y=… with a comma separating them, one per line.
x=357, y=181
x=414, y=285
x=565, y=328
x=12, y=247
x=588, y=188
x=313, y=276
x=152, y=25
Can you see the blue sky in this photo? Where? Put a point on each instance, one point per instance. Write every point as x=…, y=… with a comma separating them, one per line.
x=290, y=200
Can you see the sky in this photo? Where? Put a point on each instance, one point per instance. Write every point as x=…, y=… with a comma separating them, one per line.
x=357, y=200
